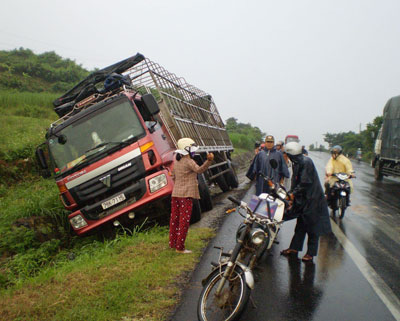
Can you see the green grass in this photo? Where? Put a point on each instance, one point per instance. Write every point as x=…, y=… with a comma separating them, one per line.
x=37, y=105
x=239, y=151
x=20, y=136
x=130, y=278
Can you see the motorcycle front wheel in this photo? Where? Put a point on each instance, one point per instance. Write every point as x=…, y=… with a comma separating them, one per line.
x=342, y=206
x=230, y=303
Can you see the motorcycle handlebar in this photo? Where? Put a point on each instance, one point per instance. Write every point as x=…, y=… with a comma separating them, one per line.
x=234, y=200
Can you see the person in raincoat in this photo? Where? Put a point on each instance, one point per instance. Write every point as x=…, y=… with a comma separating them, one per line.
x=261, y=166
x=309, y=205
x=338, y=163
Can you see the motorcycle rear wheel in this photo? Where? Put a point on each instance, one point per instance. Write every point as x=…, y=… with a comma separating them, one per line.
x=232, y=300
x=342, y=206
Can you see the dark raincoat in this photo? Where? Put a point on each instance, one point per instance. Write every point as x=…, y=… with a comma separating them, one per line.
x=260, y=164
x=309, y=198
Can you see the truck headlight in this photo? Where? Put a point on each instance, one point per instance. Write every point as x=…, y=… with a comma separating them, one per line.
x=157, y=182
x=257, y=236
x=78, y=222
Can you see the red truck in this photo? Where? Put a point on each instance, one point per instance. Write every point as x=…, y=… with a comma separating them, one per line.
x=111, y=152
x=291, y=138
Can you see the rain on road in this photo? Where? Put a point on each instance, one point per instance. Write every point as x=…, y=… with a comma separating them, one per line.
x=356, y=273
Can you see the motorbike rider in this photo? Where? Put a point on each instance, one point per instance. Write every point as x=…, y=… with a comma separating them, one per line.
x=309, y=204
x=261, y=165
x=358, y=154
x=338, y=163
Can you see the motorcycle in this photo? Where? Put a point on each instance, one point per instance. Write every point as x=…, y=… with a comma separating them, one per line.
x=227, y=288
x=340, y=194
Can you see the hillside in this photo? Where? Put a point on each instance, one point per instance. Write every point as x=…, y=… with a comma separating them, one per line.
x=23, y=70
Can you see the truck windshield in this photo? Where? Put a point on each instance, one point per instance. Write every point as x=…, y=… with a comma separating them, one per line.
x=95, y=133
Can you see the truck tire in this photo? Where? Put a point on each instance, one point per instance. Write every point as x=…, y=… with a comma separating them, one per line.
x=231, y=176
x=223, y=185
x=205, y=196
x=196, y=212
x=378, y=172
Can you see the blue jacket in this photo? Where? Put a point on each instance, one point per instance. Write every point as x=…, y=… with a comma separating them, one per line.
x=261, y=164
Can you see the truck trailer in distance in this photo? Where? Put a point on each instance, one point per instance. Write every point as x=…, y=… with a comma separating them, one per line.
x=386, y=160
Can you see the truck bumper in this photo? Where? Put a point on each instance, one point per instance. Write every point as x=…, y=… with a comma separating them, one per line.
x=122, y=210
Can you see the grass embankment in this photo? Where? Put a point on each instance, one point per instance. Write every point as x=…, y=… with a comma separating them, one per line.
x=130, y=278
x=47, y=273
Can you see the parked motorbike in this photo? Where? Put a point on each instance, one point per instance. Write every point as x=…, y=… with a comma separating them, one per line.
x=227, y=288
x=340, y=194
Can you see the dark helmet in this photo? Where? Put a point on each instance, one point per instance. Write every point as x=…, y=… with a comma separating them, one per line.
x=336, y=150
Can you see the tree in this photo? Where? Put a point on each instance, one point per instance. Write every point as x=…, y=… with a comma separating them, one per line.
x=243, y=135
x=351, y=141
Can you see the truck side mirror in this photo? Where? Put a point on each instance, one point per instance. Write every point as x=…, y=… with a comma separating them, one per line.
x=151, y=104
x=41, y=161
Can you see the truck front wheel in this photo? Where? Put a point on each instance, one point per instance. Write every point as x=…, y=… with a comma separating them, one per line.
x=378, y=171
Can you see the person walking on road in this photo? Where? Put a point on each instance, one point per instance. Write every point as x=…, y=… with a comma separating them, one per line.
x=261, y=166
x=184, y=175
x=309, y=205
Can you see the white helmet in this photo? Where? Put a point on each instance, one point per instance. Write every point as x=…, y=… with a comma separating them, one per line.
x=293, y=148
x=186, y=146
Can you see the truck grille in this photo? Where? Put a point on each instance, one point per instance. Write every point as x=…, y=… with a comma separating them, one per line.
x=89, y=195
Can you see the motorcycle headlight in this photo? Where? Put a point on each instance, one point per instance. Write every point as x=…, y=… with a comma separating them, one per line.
x=257, y=236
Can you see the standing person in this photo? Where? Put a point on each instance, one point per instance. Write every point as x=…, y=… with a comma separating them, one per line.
x=309, y=205
x=304, y=150
x=279, y=145
x=338, y=163
x=256, y=147
x=261, y=166
x=287, y=181
x=185, y=190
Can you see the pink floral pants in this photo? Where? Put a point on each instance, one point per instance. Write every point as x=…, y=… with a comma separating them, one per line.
x=181, y=210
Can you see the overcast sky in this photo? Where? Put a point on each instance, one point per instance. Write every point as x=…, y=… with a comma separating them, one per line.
x=304, y=67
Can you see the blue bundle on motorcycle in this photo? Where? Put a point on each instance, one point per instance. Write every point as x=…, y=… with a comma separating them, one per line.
x=259, y=206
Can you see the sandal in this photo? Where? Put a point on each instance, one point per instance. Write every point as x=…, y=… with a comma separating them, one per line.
x=307, y=258
x=184, y=251
x=289, y=252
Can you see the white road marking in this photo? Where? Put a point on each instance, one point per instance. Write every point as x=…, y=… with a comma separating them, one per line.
x=384, y=292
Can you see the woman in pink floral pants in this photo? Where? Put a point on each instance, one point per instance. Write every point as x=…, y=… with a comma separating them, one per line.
x=185, y=190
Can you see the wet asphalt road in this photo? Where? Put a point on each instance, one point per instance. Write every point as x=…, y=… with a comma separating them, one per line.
x=356, y=275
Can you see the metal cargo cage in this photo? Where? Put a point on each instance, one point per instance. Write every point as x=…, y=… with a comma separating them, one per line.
x=186, y=110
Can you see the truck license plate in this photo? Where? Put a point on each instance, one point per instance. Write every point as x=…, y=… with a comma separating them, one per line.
x=115, y=200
